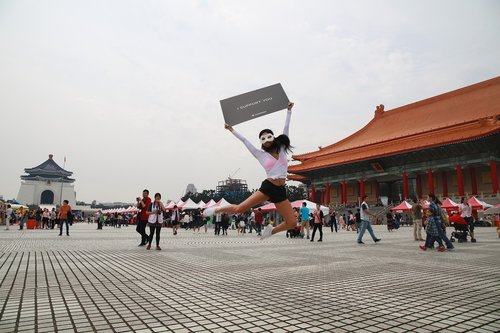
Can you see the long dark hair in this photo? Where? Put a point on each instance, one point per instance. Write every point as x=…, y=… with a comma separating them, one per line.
x=434, y=198
x=281, y=141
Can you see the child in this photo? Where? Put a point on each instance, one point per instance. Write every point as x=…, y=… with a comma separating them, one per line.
x=432, y=232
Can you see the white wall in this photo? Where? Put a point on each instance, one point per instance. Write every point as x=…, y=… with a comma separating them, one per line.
x=30, y=192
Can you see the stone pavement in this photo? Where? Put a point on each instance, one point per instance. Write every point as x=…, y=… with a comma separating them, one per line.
x=100, y=281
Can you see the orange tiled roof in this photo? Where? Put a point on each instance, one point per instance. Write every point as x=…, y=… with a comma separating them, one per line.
x=296, y=177
x=459, y=115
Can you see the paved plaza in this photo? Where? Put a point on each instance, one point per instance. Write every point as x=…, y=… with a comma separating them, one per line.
x=100, y=281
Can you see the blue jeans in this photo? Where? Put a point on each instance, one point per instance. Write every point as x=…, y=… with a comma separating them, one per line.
x=61, y=224
x=442, y=234
x=430, y=240
x=363, y=226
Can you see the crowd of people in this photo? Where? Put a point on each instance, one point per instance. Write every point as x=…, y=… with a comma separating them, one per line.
x=43, y=218
x=153, y=216
x=306, y=220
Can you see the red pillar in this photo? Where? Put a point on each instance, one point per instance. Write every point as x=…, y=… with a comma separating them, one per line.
x=430, y=180
x=494, y=177
x=419, y=186
x=344, y=193
x=377, y=189
x=445, y=184
x=327, y=199
x=460, y=181
x=313, y=193
x=361, y=187
x=473, y=181
x=405, y=185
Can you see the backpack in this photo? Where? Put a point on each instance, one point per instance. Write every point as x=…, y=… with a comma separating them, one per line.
x=444, y=218
x=13, y=216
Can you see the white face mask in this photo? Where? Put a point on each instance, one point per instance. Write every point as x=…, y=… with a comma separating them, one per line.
x=266, y=138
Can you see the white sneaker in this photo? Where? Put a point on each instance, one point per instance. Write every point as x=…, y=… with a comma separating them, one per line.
x=209, y=212
x=268, y=232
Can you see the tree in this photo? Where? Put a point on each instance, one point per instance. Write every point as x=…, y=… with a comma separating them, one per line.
x=295, y=193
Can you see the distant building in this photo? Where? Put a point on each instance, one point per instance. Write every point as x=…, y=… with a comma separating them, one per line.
x=47, y=184
x=447, y=144
x=191, y=189
x=231, y=185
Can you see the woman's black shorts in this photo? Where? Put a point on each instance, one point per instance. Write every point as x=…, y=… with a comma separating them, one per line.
x=275, y=193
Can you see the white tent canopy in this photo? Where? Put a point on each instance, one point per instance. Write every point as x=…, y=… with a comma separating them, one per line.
x=190, y=204
x=222, y=203
x=210, y=203
x=173, y=203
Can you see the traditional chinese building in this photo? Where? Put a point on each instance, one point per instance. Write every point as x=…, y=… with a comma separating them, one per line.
x=47, y=184
x=448, y=144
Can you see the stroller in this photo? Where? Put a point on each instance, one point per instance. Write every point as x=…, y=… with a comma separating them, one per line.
x=461, y=228
x=294, y=232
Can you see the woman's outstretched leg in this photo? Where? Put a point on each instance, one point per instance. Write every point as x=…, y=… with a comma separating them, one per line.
x=286, y=210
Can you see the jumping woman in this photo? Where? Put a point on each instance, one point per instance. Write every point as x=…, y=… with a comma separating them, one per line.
x=273, y=159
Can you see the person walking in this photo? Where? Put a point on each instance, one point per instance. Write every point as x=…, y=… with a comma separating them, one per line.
x=175, y=219
x=432, y=232
x=333, y=221
x=390, y=221
x=8, y=216
x=38, y=217
x=466, y=213
x=342, y=221
x=351, y=220
x=64, y=216
x=217, y=223
x=197, y=220
x=225, y=223
x=358, y=219
x=251, y=222
x=101, y=218
x=206, y=222
x=436, y=211
x=365, y=214
x=23, y=218
x=318, y=223
x=304, y=219
x=241, y=225
x=52, y=218
x=259, y=219
x=155, y=220
x=45, y=218
x=273, y=158
x=416, y=211
x=143, y=204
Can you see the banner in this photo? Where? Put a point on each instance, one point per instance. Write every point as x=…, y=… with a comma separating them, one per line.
x=254, y=104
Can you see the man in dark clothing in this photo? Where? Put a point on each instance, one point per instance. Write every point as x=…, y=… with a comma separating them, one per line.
x=143, y=205
x=333, y=221
x=258, y=220
x=358, y=220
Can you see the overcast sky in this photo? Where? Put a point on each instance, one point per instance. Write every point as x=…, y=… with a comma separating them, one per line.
x=129, y=91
